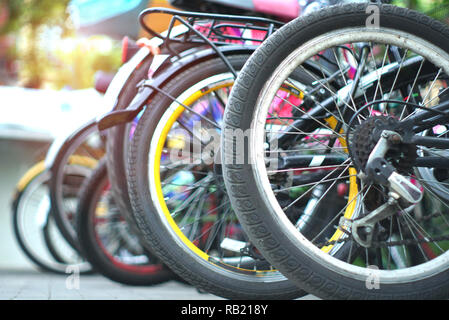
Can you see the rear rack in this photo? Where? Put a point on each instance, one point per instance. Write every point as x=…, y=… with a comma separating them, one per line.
x=204, y=28
x=212, y=30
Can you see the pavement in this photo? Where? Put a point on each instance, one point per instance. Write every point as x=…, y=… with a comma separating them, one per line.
x=36, y=285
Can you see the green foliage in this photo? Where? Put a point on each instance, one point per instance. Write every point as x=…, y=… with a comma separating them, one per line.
x=40, y=12
x=34, y=13
x=76, y=68
x=14, y=11
x=47, y=64
x=422, y=5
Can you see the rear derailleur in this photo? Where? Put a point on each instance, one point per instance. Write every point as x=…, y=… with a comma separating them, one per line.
x=380, y=173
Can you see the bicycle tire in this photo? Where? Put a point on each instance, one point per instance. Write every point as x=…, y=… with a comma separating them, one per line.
x=36, y=176
x=264, y=227
x=66, y=154
x=185, y=259
x=140, y=274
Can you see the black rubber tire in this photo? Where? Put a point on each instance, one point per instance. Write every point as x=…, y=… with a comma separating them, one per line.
x=265, y=230
x=49, y=242
x=60, y=265
x=186, y=264
x=89, y=195
x=66, y=228
x=115, y=142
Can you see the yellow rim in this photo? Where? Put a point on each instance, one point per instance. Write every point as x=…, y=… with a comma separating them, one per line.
x=33, y=172
x=39, y=167
x=160, y=195
x=350, y=209
x=353, y=190
x=157, y=178
x=84, y=161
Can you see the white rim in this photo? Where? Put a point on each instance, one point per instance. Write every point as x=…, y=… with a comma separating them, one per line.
x=256, y=154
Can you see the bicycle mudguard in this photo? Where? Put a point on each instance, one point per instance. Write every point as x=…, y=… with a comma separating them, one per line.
x=165, y=72
x=118, y=82
x=126, y=70
x=59, y=144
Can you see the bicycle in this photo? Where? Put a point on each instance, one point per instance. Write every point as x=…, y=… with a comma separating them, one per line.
x=379, y=141
x=87, y=140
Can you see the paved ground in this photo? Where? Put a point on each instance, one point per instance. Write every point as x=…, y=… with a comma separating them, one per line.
x=34, y=285
x=31, y=285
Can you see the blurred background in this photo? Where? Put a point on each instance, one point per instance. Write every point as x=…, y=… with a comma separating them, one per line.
x=50, y=52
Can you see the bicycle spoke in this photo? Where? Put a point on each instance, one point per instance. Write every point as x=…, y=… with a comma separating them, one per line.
x=304, y=194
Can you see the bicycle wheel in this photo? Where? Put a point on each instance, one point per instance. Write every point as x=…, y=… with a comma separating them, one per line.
x=60, y=250
x=80, y=152
x=106, y=240
x=31, y=225
x=182, y=208
x=391, y=71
